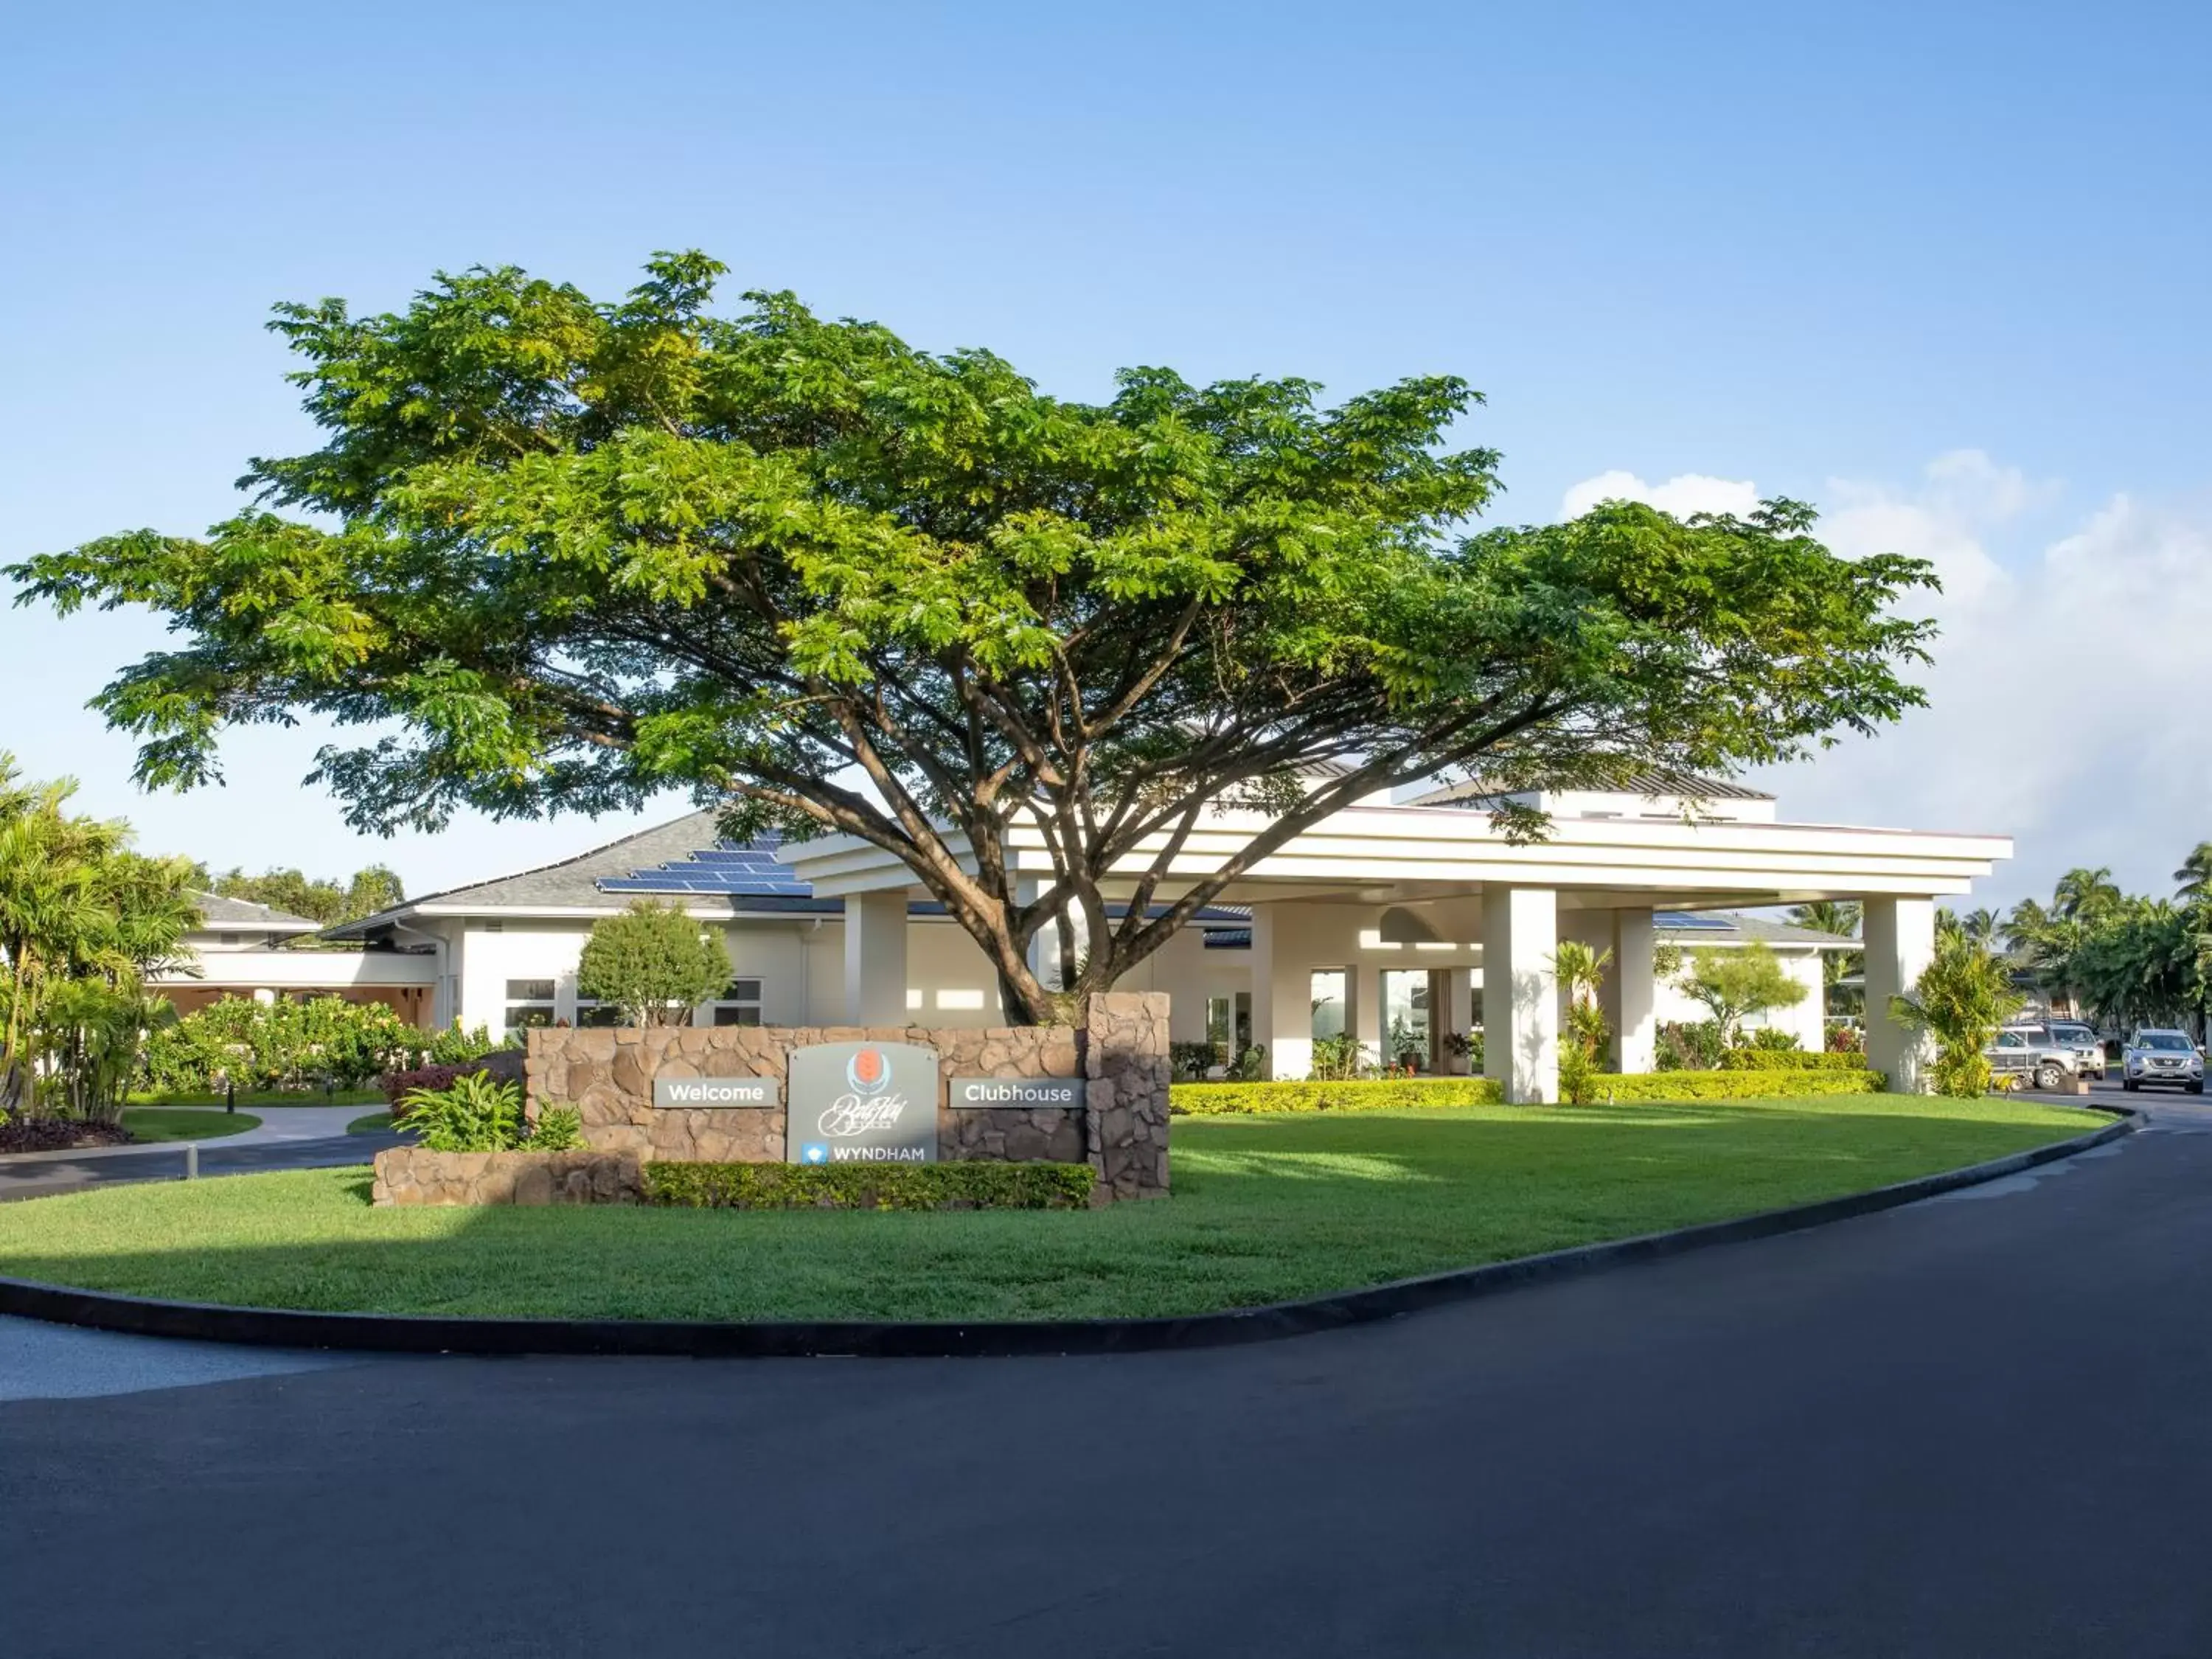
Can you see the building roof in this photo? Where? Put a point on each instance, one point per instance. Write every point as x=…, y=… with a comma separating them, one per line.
x=686, y=859
x=217, y=911
x=1695, y=928
x=572, y=884
x=1645, y=784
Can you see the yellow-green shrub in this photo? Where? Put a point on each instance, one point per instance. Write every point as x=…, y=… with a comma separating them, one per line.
x=1403, y=1094
x=1346, y=1095
x=1735, y=1085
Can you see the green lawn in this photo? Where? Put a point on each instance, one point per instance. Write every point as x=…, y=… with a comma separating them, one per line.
x=375, y=1123
x=264, y=1097
x=158, y=1123
x=1264, y=1208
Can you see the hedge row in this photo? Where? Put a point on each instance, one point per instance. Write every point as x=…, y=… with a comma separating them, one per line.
x=1738, y=1085
x=1394, y=1094
x=959, y=1185
x=1789, y=1060
x=1358, y=1095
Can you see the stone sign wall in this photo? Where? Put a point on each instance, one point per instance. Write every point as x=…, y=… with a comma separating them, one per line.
x=1117, y=1121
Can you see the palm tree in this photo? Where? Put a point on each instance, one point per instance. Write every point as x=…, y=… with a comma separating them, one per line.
x=1580, y=971
x=2195, y=875
x=1960, y=999
x=1980, y=926
x=1836, y=916
x=1842, y=917
x=75, y=906
x=2085, y=894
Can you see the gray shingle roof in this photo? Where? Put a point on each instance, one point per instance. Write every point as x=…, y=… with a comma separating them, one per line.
x=216, y=911
x=1726, y=927
x=571, y=884
x=1655, y=781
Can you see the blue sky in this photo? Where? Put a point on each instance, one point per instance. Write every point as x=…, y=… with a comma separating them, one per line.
x=1941, y=269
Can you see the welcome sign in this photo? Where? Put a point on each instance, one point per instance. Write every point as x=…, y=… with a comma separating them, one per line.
x=669, y=1091
x=861, y=1103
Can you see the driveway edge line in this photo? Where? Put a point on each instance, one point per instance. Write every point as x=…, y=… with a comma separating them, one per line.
x=795, y=1339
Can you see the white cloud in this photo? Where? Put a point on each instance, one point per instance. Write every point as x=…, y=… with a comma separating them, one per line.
x=1687, y=493
x=2063, y=703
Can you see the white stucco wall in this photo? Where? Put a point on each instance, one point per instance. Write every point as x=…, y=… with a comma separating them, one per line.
x=800, y=962
x=1804, y=1021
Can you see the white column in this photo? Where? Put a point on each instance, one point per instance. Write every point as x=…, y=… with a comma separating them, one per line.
x=1363, y=1008
x=1900, y=936
x=1282, y=995
x=1634, y=1003
x=1519, y=992
x=875, y=958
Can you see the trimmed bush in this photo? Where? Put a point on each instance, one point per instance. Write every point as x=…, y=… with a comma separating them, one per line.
x=1790, y=1060
x=1394, y=1094
x=1772, y=1084
x=1346, y=1095
x=959, y=1185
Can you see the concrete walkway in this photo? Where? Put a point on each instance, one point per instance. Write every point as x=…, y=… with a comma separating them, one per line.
x=278, y=1124
x=289, y=1138
x=1976, y=1426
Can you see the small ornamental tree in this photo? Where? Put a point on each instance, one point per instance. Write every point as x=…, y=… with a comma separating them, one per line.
x=1963, y=994
x=653, y=963
x=1737, y=982
x=1580, y=971
x=561, y=555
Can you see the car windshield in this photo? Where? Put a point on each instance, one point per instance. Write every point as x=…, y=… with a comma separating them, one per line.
x=2169, y=1040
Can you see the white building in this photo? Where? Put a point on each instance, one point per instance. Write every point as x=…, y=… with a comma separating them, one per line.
x=241, y=948
x=1371, y=919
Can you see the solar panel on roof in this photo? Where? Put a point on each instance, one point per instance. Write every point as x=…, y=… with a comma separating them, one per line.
x=1682, y=921
x=735, y=871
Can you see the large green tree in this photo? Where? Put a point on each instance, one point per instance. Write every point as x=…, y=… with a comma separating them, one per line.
x=558, y=554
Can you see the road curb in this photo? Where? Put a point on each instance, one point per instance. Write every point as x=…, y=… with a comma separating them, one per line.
x=792, y=1339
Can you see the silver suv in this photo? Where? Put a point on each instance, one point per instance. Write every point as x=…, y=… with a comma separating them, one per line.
x=2166, y=1058
x=2088, y=1048
x=2030, y=1051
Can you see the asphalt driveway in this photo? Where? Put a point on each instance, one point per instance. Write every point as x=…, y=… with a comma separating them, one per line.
x=1981, y=1426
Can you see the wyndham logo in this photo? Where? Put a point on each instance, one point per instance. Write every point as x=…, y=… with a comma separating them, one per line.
x=814, y=1151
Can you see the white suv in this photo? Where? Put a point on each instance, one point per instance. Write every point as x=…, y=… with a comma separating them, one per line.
x=2166, y=1058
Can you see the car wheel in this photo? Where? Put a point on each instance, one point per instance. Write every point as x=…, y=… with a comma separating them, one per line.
x=2130, y=1085
x=2197, y=1088
x=2048, y=1078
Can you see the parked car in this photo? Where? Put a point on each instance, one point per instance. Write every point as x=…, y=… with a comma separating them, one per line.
x=2088, y=1048
x=2028, y=1051
x=2166, y=1058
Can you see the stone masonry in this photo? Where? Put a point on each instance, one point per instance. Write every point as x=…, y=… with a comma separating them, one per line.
x=412, y=1175
x=1121, y=1051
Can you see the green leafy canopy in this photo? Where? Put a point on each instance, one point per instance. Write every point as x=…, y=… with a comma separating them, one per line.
x=567, y=553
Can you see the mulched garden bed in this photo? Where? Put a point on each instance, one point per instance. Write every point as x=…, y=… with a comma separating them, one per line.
x=57, y=1134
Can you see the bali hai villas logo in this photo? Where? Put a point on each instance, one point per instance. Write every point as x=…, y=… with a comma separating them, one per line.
x=862, y=1103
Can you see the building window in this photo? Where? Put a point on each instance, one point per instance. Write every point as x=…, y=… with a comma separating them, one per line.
x=529, y=1004
x=1229, y=1025
x=738, y=1005
x=1327, y=1000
